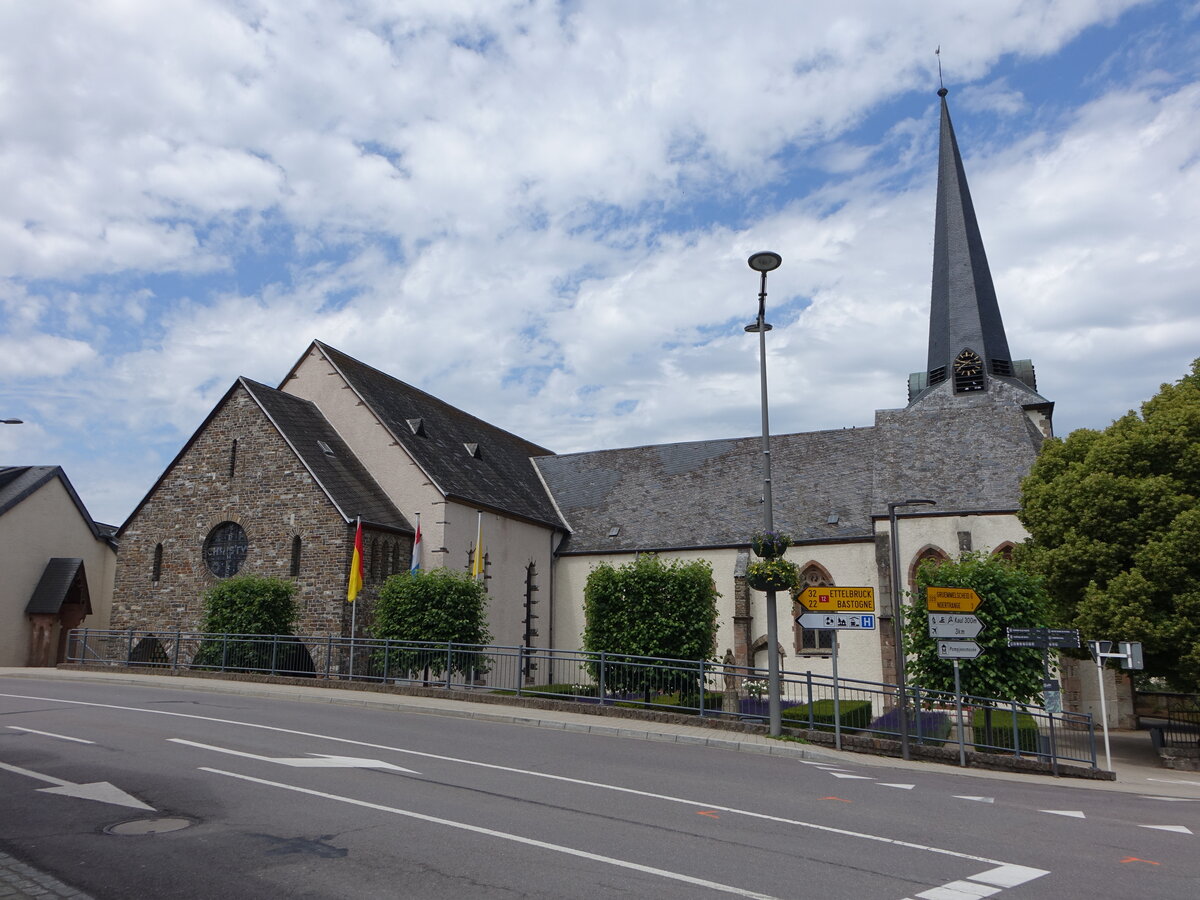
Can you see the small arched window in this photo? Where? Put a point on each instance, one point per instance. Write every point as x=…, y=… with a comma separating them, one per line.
x=294, y=569
x=932, y=554
x=156, y=574
x=233, y=458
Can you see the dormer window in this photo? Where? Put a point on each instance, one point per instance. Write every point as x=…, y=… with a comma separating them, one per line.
x=968, y=372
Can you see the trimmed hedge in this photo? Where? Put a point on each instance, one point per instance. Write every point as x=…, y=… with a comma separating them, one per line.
x=935, y=726
x=856, y=715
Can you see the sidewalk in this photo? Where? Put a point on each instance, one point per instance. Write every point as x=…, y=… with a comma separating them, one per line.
x=1134, y=759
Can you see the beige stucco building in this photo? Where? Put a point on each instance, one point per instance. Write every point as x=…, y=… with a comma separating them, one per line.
x=58, y=565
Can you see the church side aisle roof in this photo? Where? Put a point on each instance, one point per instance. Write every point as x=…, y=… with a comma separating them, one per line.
x=339, y=472
x=499, y=473
x=709, y=493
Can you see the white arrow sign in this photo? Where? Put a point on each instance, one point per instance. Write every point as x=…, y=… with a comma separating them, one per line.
x=316, y=761
x=954, y=625
x=101, y=791
x=958, y=649
x=848, y=621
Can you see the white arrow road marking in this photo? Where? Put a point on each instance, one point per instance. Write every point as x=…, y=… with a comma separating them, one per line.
x=1181, y=829
x=316, y=761
x=976, y=799
x=903, y=787
x=97, y=790
x=1072, y=813
x=506, y=836
x=61, y=737
x=844, y=775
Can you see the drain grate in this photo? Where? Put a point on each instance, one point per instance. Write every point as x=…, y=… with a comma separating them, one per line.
x=149, y=826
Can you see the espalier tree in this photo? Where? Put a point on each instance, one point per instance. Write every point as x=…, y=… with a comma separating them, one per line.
x=1115, y=528
x=1011, y=596
x=650, y=608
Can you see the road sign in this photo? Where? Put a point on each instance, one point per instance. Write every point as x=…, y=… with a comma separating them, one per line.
x=1043, y=638
x=944, y=599
x=953, y=625
x=1132, y=651
x=840, y=621
x=958, y=649
x=838, y=599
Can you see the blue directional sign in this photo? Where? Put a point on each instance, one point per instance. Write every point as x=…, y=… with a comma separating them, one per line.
x=837, y=621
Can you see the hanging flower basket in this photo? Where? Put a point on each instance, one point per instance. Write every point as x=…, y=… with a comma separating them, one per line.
x=770, y=544
x=771, y=574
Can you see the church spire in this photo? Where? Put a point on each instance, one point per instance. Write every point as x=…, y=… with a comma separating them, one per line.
x=967, y=343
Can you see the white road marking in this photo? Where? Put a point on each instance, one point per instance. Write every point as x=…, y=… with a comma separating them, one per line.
x=506, y=836
x=61, y=737
x=100, y=791
x=845, y=775
x=1173, y=781
x=976, y=799
x=316, y=761
x=903, y=787
x=1070, y=813
x=910, y=845
x=959, y=890
x=1173, y=799
x=1009, y=875
x=1181, y=829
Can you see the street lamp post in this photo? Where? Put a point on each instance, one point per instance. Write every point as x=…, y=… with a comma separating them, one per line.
x=898, y=617
x=765, y=262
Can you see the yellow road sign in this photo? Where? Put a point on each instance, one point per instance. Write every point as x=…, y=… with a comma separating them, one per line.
x=944, y=599
x=838, y=599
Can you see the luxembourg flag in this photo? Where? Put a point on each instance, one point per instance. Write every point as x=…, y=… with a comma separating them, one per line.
x=416, y=559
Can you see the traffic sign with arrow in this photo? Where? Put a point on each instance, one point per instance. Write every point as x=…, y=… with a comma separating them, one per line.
x=959, y=650
x=947, y=599
x=950, y=625
x=839, y=621
x=837, y=599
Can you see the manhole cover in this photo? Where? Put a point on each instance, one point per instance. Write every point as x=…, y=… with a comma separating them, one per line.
x=149, y=826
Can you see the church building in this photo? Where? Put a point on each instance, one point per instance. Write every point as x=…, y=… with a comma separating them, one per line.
x=275, y=479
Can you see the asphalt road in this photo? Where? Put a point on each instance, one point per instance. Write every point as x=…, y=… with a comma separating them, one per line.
x=274, y=798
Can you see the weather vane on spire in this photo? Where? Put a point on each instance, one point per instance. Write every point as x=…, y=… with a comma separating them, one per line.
x=941, y=85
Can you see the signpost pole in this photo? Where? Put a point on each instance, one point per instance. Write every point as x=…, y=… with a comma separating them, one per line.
x=1050, y=715
x=962, y=746
x=837, y=706
x=1103, y=709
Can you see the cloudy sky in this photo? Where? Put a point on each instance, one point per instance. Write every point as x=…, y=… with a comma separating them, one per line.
x=541, y=211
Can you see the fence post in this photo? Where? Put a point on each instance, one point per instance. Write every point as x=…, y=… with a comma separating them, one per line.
x=603, y=692
x=1016, y=734
x=387, y=650
x=449, y=654
x=916, y=688
x=811, y=724
x=520, y=669
x=129, y=649
x=224, y=650
x=175, y=657
x=702, y=689
x=274, y=653
x=328, y=653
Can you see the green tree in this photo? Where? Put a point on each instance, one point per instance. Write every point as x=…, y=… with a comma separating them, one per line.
x=650, y=608
x=251, y=605
x=439, y=606
x=1011, y=597
x=1113, y=526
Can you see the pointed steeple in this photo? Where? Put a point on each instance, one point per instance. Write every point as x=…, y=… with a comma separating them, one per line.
x=967, y=343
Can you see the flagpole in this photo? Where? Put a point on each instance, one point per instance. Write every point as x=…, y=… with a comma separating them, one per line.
x=354, y=599
x=477, y=563
x=415, y=565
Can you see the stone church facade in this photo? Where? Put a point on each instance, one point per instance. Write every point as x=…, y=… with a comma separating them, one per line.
x=275, y=479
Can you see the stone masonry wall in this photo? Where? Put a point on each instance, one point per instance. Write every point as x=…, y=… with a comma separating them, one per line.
x=274, y=498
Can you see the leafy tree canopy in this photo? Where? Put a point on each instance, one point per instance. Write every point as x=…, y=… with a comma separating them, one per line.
x=652, y=608
x=434, y=605
x=1114, y=525
x=1011, y=597
x=250, y=604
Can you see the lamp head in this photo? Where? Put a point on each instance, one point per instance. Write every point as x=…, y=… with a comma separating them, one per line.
x=765, y=261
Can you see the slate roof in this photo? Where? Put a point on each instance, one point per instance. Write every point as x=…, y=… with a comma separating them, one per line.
x=964, y=311
x=53, y=588
x=339, y=472
x=19, y=482
x=499, y=476
x=709, y=493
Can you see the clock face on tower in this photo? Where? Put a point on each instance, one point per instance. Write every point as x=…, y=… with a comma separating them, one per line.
x=968, y=364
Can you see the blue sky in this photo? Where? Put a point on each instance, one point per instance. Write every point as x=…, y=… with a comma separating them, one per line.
x=541, y=211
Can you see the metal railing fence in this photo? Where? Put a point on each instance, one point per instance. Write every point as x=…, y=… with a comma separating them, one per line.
x=810, y=701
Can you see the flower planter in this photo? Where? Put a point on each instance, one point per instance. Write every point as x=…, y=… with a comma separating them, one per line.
x=770, y=546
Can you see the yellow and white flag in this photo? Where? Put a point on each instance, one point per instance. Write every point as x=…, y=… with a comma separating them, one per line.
x=477, y=558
